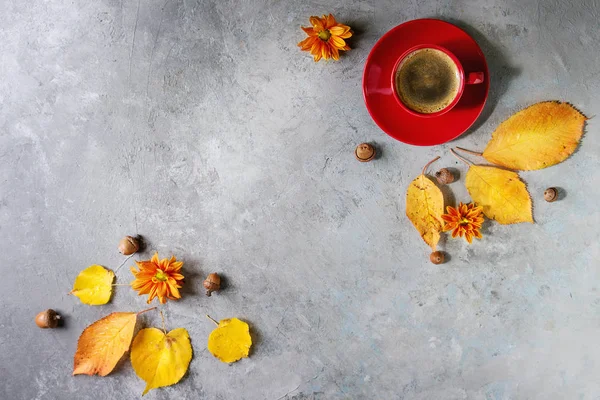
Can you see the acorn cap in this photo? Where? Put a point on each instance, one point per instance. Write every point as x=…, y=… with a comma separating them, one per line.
x=365, y=152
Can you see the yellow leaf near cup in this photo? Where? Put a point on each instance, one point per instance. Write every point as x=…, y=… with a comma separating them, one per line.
x=424, y=207
x=537, y=137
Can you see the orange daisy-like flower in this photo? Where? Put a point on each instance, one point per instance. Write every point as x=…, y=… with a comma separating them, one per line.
x=464, y=220
x=158, y=278
x=325, y=38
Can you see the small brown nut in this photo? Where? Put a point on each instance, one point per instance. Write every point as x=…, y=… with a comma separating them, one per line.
x=365, y=152
x=551, y=194
x=444, y=176
x=437, y=257
x=212, y=283
x=47, y=319
x=129, y=245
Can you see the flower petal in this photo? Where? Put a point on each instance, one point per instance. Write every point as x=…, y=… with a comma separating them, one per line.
x=316, y=48
x=335, y=53
x=329, y=21
x=469, y=237
x=337, y=42
x=449, y=226
x=176, y=276
x=174, y=291
x=325, y=51
x=162, y=289
x=175, y=266
x=309, y=31
x=316, y=23
x=449, y=218
x=307, y=43
x=337, y=30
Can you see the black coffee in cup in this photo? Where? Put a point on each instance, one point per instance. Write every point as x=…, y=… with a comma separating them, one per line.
x=427, y=80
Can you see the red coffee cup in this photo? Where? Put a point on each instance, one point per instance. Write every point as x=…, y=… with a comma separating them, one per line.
x=471, y=78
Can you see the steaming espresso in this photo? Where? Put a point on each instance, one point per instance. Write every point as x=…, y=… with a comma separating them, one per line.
x=427, y=80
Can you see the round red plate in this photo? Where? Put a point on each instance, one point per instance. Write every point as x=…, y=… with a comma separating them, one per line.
x=382, y=104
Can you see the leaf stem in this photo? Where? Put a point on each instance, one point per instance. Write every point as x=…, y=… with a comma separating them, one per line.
x=428, y=164
x=146, y=310
x=476, y=153
x=163, y=322
x=461, y=158
x=123, y=263
x=212, y=319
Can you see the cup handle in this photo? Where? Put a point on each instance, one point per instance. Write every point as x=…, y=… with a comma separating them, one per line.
x=474, y=78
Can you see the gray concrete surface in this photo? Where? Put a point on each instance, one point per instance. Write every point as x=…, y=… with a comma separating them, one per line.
x=201, y=126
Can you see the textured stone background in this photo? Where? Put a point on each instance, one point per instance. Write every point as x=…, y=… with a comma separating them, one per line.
x=200, y=125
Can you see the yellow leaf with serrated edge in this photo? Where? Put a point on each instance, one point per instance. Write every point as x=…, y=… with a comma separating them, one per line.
x=537, y=137
x=501, y=193
x=159, y=359
x=424, y=207
x=230, y=341
x=93, y=285
x=102, y=344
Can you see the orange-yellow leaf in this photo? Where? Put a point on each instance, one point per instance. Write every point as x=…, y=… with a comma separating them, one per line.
x=102, y=344
x=424, y=207
x=537, y=137
x=501, y=193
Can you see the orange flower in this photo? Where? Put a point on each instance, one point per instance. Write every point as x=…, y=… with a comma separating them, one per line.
x=464, y=220
x=158, y=278
x=325, y=38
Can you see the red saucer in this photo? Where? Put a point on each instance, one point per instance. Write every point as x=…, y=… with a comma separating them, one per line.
x=380, y=99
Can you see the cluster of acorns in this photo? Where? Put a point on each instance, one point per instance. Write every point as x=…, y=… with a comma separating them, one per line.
x=127, y=246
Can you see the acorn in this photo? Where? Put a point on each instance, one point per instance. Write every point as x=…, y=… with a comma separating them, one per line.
x=550, y=194
x=444, y=176
x=212, y=283
x=437, y=257
x=365, y=152
x=129, y=245
x=47, y=319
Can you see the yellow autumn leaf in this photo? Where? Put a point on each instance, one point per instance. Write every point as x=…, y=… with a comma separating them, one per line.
x=102, y=344
x=424, y=207
x=230, y=341
x=501, y=193
x=161, y=359
x=93, y=285
x=537, y=137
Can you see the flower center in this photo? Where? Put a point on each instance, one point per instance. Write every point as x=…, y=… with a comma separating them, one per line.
x=464, y=221
x=161, y=276
x=324, y=35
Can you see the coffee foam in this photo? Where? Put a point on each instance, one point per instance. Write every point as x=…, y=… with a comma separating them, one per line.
x=427, y=80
